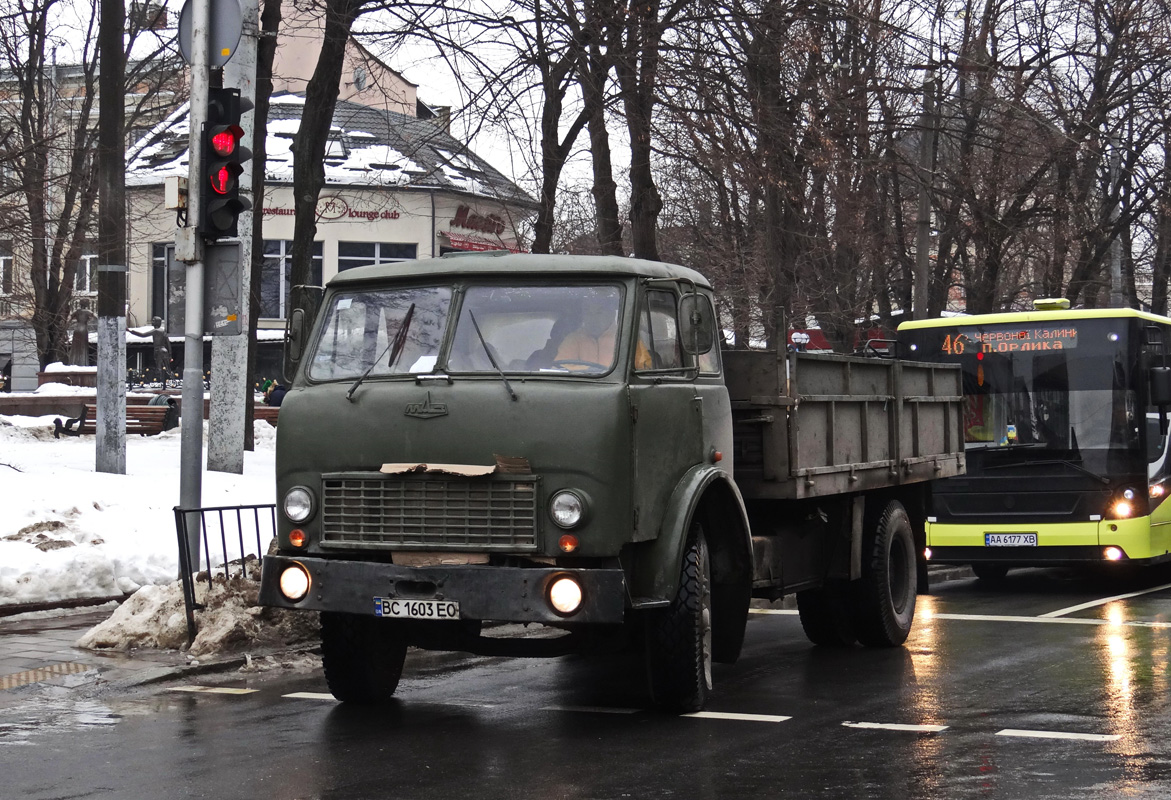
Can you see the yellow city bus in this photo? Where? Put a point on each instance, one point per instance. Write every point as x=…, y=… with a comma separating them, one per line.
x=1065, y=437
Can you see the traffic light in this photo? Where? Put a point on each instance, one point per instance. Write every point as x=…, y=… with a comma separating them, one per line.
x=223, y=160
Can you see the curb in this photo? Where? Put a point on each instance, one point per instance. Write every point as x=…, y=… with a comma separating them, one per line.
x=163, y=674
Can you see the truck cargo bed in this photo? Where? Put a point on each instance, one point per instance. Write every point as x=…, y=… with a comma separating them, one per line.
x=809, y=425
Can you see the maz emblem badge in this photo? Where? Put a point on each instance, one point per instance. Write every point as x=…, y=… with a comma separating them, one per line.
x=426, y=409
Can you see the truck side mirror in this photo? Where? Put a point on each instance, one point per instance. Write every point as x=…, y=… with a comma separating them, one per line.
x=304, y=301
x=697, y=327
x=1160, y=382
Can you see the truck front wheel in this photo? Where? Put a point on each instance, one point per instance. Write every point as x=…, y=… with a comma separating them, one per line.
x=679, y=638
x=362, y=656
x=884, y=598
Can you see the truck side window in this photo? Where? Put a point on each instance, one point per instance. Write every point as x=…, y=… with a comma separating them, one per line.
x=658, y=331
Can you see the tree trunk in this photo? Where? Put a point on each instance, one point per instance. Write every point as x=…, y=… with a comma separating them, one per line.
x=313, y=134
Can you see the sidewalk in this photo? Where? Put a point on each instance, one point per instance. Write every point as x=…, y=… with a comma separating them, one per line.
x=41, y=649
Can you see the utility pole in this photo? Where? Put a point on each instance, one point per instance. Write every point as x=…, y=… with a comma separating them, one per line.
x=1115, y=189
x=926, y=171
x=229, y=386
x=110, y=425
x=189, y=249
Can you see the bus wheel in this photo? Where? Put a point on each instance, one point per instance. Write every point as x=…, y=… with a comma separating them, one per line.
x=679, y=638
x=884, y=598
x=825, y=614
x=362, y=656
x=990, y=573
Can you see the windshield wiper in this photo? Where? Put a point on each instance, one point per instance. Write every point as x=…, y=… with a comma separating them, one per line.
x=1063, y=461
x=395, y=347
x=491, y=358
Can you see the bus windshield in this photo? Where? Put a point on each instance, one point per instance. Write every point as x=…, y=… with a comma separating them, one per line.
x=1062, y=387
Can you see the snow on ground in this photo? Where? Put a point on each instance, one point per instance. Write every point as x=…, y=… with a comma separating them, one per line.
x=70, y=532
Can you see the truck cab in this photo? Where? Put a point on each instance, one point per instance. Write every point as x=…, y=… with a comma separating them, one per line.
x=486, y=438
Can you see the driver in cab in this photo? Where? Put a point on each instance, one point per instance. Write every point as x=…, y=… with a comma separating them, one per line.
x=591, y=347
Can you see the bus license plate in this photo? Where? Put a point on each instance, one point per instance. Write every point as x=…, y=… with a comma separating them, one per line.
x=1010, y=540
x=398, y=608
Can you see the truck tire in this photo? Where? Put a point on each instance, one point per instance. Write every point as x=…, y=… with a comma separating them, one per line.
x=679, y=638
x=825, y=614
x=884, y=597
x=362, y=656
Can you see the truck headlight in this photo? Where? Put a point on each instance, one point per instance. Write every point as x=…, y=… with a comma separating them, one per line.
x=565, y=595
x=567, y=509
x=298, y=504
x=295, y=582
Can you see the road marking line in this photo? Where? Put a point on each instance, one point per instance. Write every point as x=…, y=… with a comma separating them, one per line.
x=1047, y=620
x=593, y=709
x=739, y=717
x=1063, y=611
x=310, y=696
x=895, y=726
x=1089, y=737
x=785, y=611
x=211, y=690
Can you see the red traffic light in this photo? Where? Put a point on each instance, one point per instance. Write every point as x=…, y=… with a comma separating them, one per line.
x=224, y=142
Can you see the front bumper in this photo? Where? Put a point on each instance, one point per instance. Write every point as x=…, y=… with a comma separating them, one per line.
x=504, y=594
x=1057, y=543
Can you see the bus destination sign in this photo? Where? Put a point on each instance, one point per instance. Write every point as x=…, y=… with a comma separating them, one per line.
x=1010, y=340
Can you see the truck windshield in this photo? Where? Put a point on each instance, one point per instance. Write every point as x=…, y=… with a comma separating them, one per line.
x=542, y=329
x=1053, y=389
x=360, y=326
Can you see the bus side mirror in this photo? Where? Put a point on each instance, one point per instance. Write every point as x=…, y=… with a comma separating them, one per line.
x=1160, y=383
x=697, y=326
x=304, y=302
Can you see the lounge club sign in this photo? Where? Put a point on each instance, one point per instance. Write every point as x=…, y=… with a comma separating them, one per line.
x=335, y=207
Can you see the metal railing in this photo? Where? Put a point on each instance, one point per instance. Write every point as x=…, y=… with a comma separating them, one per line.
x=223, y=541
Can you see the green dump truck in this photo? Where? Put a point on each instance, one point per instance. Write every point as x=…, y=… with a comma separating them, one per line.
x=486, y=438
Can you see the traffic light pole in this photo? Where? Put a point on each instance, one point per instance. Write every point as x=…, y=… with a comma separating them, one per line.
x=189, y=248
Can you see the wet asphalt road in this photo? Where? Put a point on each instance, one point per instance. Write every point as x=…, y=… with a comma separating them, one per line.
x=989, y=698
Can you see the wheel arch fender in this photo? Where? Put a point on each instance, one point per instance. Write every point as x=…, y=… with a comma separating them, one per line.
x=710, y=495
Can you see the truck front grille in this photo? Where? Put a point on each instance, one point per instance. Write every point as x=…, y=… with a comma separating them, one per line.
x=432, y=513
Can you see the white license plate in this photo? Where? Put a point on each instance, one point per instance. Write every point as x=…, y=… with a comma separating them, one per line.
x=399, y=608
x=1010, y=540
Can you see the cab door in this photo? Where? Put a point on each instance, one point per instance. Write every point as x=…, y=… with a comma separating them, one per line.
x=666, y=408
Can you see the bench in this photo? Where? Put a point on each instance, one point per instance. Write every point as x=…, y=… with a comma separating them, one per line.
x=266, y=413
x=141, y=419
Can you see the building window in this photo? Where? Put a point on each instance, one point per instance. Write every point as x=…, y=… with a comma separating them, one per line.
x=276, y=272
x=85, y=281
x=361, y=254
x=158, y=280
x=6, y=267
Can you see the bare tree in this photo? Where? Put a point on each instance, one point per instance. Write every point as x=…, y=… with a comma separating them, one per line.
x=49, y=182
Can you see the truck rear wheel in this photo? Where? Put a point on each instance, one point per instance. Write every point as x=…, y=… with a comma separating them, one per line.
x=362, y=656
x=679, y=638
x=825, y=614
x=884, y=598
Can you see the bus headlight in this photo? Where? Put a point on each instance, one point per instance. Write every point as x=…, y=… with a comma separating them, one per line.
x=1156, y=491
x=1113, y=554
x=567, y=509
x=298, y=504
x=1122, y=509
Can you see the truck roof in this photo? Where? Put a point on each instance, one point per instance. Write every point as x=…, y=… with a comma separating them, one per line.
x=529, y=264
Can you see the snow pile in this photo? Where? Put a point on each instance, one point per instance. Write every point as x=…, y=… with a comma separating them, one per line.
x=154, y=617
x=68, y=532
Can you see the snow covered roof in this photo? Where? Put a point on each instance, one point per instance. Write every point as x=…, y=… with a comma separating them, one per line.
x=367, y=147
